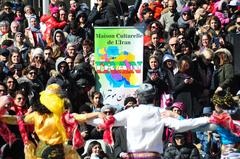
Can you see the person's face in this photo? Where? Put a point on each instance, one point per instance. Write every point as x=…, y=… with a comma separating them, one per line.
x=19, y=100
x=169, y=63
x=186, y=50
x=63, y=68
x=70, y=17
x=96, y=149
x=7, y=9
x=82, y=19
x=10, y=84
x=129, y=105
x=176, y=110
x=108, y=112
x=181, y=39
x=71, y=52
x=29, y=11
x=154, y=27
x=173, y=44
x=171, y=6
x=154, y=39
x=86, y=49
x=59, y=37
x=186, y=16
x=14, y=27
x=180, y=140
x=148, y=15
x=18, y=14
x=33, y=22
x=165, y=3
x=47, y=54
x=185, y=65
x=97, y=99
x=238, y=24
x=193, y=7
x=15, y=58
x=100, y=2
x=213, y=24
x=38, y=58
x=3, y=91
x=4, y=28
x=62, y=15
x=32, y=75
x=19, y=38
x=153, y=63
x=70, y=63
x=73, y=4
x=205, y=41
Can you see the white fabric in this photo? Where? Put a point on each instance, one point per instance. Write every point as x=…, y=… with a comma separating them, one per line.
x=145, y=127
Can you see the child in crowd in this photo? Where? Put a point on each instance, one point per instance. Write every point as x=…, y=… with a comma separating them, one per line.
x=95, y=151
x=97, y=100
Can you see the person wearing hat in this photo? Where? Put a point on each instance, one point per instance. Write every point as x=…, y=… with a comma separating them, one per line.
x=144, y=139
x=180, y=148
x=51, y=22
x=223, y=75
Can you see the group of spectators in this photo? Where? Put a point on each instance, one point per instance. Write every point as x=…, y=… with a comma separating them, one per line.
x=188, y=56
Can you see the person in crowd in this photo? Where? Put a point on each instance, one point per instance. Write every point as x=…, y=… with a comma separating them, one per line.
x=14, y=28
x=7, y=13
x=22, y=46
x=205, y=42
x=102, y=14
x=223, y=75
x=48, y=53
x=186, y=87
x=11, y=84
x=94, y=151
x=169, y=65
x=147, y=18
x=148, y=144
x=156, y=76
x=33, y=34
x=51, y=22
x=87, y=49
x=203, y=69
x=71, y=51
x=97, y=100
x=15, y=60
x=174, y=46
x=4, y=28
x=29, y=12
x=62, y=15
x=59, y=39
x=30, y=83
x=180, y=148
x=170, y=17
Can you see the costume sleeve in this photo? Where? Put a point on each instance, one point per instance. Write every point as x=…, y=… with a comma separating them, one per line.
x=30, y=118
x=184, y=125
x=80, y=117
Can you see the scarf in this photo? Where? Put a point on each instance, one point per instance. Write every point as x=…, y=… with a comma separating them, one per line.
x=6, y=134
x=71, y=126
x=38, y=36
x=225, y=120
x=107, y=126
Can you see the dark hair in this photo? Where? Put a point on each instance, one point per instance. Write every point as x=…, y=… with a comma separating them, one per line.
x=184, y=58
x=28, y=69
x=146, y=10
x=130, y=99
x=7, y=4
x=87, y=42
x=48, y=48
x=40, y=108
x=91, y=145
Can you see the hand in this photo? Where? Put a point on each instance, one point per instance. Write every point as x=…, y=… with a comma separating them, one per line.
x=84, y=134
x=124, y=155
x=219, y=89
x=99, y=8
x=5, y=101
x=102, y=116
x=190, y=81
x=168, y=113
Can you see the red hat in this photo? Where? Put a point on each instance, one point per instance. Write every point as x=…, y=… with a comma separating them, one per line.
x=179, y=105
x=54, y=10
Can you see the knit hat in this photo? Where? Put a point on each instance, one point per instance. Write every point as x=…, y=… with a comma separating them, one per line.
x=168, y=56
x=185, y=9
x=37, y=52
x=179, y=105
x=110, y=107
x=146, y=91
x=54, y=10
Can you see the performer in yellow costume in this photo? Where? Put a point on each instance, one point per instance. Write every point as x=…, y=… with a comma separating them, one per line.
x=50, y=128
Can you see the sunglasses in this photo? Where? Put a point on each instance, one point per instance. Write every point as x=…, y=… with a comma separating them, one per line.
x=108, y=112
x=7, y=8
x=185, y=14
x=20, y=98
x=173, y=44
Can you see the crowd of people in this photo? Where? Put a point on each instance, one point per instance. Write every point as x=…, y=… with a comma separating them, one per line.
x=47, y=81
